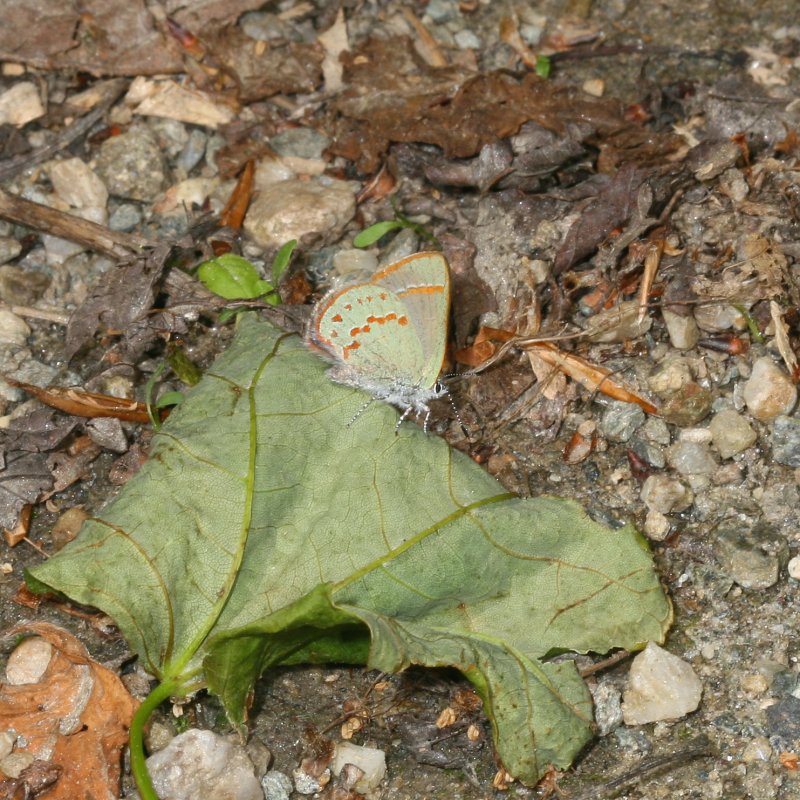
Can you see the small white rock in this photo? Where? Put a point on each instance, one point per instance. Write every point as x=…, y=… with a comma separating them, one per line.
x=7, y=740
x=77, y=184
x=665, y=494
x=13, y=329
x=660, y=686
x=199, y=765
x=20, y=104
x=370, y=760
x=656, y=526
x=683, y=331
x=731, y=433
x=793, y=568
x=769, y=392
x=353, y=260
x=29, y=661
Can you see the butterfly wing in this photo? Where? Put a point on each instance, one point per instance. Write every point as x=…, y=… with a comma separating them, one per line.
x=422, y=283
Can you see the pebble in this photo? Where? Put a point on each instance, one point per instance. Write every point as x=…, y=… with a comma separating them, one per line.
x=441, y=10
x=769, y=392
x=749, y=555
x=22, y=286
x=29, y=661
x=77, y=184
x=683, y=331
x=125, y=217
x=687, y=406
x=107, y=432
x=263, y=26
x=14, y=764
x=607, y=707
x=193, y=151
x=13, y=329
x=20, y=104
x=731, y=433
x=7, y=741
x=793, y=568
x=276, y=785
x=665, y=494
x=304, y=783
x=671, y=375
x=715, y=318
x=786, y=440
x=620, y=420
x=783, y=719
x=300, y=143
x=649, y=452
x=656, y=430
x=293, y=209
x=132, y=165
x=467, y=40
x=660, y=686
x=656, y=526
x=694, y=461
x=370, y=761
x=355, y=261
x=199, y=765
x=757, y=749
x=9, y=248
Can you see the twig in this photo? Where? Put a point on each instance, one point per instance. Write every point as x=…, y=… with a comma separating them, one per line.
x=13, y=166
x=48, y=315
x=699, y=747
x=604, y=664
x=117, y=245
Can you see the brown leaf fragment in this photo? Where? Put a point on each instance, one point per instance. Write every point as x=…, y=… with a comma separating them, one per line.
x=67, y=469
x=592, y=377
x=232, y=215
x=74, y=715
x=20, y=531
x=22, y=480
x=121, y=296
x=36, y=778
x=85, y=404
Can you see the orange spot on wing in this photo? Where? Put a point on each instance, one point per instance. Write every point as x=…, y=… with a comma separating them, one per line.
x=435, y=289
x=337, y=317
x=403, y=320
x=349, y=348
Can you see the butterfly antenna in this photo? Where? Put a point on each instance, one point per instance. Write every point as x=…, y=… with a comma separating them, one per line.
x=444, y=390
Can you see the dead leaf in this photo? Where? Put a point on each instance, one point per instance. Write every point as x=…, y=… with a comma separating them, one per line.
x=334, y=42
x=782, y=338
x=235, y=209
x=75, y=716
x=22, y=480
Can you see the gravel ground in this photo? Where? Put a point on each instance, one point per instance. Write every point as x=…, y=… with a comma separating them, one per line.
x=712, y=482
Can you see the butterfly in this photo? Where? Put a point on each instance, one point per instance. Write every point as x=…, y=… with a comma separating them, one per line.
x=388, y=336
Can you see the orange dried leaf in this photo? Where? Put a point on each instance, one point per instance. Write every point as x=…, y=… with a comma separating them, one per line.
x=76, y=716
x=236, y=207
x=594, y=378
x=85, y=404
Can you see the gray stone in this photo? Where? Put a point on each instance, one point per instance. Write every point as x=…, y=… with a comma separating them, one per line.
x=125, y=217
x=693, y=460
x=300, y=142
x=750, y=556
x=76, y=184
x=665, y=494
x=294, y=209
x=786, y=440
x=718, y=317
x=132, y=165
x=467, y=40
x=731, y=433
x=620, y=420
x=199, y=765
x=783, y=720
x=21, y=286
x=276, y=785
x=769, y=392
x=193, y=151
x=607, y=706
x=669, y=376
x=9, y=248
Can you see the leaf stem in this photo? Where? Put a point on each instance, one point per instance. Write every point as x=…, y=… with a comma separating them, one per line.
x=136, y=737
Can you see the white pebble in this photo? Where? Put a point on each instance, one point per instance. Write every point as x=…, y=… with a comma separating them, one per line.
x=29, y=661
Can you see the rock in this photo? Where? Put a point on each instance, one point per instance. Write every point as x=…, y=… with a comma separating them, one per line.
x=199, y=765
x=607, y=708
x=785, y=440
x=22, y=286
x=131, y=165
x=731, y=433
x=666, y=495
x=718, y=317
x=683, y=331
x=300, y=143
x=177, y=102
x=620, y=420
x=783, y=719
x=20, y=104
x=14, y=764
x=107, y=432
x=656, y=526
x=13, y=329
x=355, y=261
x=370, y=761
x=293, y=209
x=10, y=248
x=467, y=40
x=757, y=749
x=7, y=741
x=193, y=151
x=671, y=375
x=692, y=460
x=750, y=556
x=125, y=217
x=793, y=568
x=660, y=686
x=687, y=406
x=29, y=661
x=276, y=785
x=769, y=392
x=75, y=183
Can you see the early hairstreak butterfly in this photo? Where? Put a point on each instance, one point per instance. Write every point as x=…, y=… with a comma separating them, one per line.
x=388, y=336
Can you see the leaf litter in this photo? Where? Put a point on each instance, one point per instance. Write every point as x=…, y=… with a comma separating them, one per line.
x=604, y=175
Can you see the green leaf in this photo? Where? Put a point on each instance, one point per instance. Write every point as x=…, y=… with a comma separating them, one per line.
x=370, y=235
x=281, y=260
x=232, y=277
x=543, y=66
x=170, y=399
x=267, y=530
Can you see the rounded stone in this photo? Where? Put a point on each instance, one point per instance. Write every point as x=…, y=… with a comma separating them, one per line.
x=731, y=433
x=769, y=392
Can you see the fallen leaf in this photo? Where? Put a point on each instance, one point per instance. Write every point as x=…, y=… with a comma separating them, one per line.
x=75, y=716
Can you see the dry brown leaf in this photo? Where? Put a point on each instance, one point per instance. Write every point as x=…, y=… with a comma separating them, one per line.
x=235, y=209
x=782, y=338
x=592, y=377
x=76, y=716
